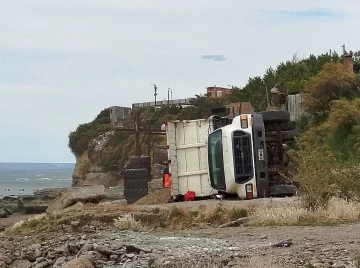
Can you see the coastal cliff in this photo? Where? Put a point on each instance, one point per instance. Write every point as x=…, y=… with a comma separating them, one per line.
x=92, y=144
x=88, y=171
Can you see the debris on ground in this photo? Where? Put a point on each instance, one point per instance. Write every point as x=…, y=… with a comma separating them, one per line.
x=283, y=244
x=161, y=196
x=234, y=223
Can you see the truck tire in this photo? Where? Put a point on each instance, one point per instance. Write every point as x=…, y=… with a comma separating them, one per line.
x=290, y=125
x=136, y=166
x=279, y=116
x=288, y=135
x=143, y=160
x=135, y=193
x=136, y=184
x=139, y=173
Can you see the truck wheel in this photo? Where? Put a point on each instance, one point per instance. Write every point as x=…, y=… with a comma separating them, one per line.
x=280, y=116
x=290, y=125
x=288, y=135
x=143, y=160
x=138, y=173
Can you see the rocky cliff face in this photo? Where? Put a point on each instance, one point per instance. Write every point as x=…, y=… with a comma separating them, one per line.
x=88, y=169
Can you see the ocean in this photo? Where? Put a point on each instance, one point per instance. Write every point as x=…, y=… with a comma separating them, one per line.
x=24, y=178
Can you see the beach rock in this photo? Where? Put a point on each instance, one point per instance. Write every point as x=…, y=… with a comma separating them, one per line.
x=33, y=204
x=9, y=205
x=73, y=195
x=49, y=193
x=3, y=213
x=81, y=262
x=21, y=264
x=104, y=250
x=5, y=259
x=59, y=262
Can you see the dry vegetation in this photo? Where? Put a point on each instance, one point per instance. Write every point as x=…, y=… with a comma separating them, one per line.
x=127, y=222
x=172, y=217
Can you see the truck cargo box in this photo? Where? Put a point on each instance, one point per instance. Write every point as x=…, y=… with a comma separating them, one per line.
x=187, y=145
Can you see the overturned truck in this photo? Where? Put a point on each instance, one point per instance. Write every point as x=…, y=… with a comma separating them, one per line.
x=243, y=156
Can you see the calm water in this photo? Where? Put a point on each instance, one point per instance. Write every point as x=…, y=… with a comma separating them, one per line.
x=24, y=179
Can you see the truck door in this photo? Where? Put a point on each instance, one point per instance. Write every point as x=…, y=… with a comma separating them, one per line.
x=216, y=160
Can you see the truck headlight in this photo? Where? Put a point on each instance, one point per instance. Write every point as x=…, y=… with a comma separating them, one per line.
x=244, y=121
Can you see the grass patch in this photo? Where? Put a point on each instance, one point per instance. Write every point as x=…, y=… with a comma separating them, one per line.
x=337, y=211
x=124, y=217
x=127, y=222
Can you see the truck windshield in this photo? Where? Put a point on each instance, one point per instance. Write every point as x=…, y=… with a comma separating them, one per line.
x=216, y=161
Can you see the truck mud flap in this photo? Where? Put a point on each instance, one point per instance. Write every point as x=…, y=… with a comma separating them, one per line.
x=282, y=190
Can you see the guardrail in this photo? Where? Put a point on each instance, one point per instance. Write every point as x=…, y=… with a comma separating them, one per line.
x=163, y=102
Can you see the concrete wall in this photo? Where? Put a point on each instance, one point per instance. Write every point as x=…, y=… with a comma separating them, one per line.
x=235, y=109
x=117, y=114
x=294, y=106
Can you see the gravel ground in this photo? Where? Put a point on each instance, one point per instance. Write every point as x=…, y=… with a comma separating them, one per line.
x=321, y=246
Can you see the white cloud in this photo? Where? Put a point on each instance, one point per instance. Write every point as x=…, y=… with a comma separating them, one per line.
x=63, y=61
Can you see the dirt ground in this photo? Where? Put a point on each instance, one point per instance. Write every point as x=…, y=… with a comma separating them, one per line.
x=195, y=205
x=14, y=218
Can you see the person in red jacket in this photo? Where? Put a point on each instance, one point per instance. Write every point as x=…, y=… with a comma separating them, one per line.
x=166, y=178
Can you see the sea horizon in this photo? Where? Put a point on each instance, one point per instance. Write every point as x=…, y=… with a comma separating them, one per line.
x=17, y=178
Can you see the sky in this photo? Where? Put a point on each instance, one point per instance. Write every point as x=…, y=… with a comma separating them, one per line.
x=62, y=62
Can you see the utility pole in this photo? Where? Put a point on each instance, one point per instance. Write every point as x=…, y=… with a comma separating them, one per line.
x=155, y=91
x=169, y=91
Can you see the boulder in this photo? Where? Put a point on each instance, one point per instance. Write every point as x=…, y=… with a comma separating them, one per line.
x=34, y=204
x=81, y=262
x=21, y=264
x=114, y=193
x=9, y=205
x=71, y=196
x=49, y=193
x=3, y=213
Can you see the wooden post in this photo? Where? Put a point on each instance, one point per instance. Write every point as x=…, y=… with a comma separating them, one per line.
x=137, y=136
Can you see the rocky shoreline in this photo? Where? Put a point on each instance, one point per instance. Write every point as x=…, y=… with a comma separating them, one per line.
x=28, y=204
x=40, y=201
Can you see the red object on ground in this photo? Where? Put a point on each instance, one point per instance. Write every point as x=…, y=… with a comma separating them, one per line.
x=189, y=196
x=166, y=180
